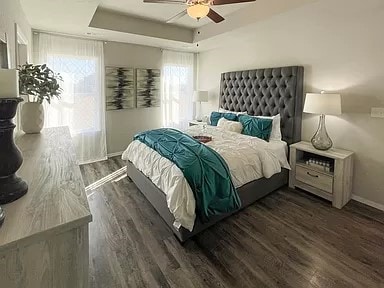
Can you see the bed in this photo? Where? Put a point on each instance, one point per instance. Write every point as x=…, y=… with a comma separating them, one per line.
x=260, y=92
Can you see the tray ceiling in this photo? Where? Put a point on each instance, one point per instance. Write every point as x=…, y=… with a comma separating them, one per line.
x=133, y=21
x=162, y=12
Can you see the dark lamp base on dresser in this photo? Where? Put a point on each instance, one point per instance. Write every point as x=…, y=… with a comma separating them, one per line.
x=2, y=216
x=11, y=186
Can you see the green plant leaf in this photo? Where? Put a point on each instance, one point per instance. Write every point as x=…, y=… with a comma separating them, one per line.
x=39, y=81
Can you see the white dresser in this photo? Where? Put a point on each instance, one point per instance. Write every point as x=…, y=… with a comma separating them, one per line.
x=44, y=239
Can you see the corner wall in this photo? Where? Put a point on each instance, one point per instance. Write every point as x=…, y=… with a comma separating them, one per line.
x=340, y=45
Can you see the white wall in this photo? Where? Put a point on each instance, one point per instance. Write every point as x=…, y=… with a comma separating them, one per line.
x=341, y=45
x=122, y=125
x=11, y=13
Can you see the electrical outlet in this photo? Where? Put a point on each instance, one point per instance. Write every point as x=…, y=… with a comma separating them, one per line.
x=377, y=112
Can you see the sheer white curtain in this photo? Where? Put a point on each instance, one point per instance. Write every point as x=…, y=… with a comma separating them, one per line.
x=82, y=105
x=177, y=88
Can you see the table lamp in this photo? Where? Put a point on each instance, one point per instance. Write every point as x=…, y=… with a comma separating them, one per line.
x=11, y=186
x=323, y=104
x=200, y=96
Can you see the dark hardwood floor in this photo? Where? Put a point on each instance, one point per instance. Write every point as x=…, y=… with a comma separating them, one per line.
x=288, y=239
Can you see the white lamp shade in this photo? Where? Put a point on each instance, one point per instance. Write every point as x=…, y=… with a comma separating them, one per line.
x=328, y=104
x=200, y=96
x=9, y=83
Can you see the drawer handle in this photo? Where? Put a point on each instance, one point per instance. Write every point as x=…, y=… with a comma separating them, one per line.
x=316, y=176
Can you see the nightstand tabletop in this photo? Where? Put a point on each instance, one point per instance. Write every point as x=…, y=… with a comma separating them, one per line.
x=334, y=153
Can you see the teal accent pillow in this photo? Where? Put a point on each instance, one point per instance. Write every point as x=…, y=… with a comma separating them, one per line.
x=215, y=117
x=256, y=127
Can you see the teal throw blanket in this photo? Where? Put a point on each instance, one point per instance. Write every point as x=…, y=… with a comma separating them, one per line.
x=205, y=170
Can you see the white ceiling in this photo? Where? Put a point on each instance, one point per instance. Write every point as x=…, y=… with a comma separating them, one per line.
x=74, y=17
x=65, y=16
x=163, y=12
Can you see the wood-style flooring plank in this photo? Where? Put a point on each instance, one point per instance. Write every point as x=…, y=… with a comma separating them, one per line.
x=287, y=239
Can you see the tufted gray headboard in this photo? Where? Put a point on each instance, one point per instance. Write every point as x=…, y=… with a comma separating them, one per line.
x=267, y=92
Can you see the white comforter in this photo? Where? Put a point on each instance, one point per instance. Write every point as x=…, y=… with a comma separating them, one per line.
x=248, y=158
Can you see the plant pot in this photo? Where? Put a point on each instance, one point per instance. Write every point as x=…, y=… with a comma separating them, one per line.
x=32, y=117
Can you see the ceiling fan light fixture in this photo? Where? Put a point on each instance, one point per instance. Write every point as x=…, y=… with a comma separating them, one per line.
x=198, y=11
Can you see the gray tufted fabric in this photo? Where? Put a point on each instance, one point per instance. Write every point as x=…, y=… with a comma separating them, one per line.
x=267, y=92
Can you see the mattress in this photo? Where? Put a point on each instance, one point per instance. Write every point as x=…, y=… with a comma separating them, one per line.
x=248, y=158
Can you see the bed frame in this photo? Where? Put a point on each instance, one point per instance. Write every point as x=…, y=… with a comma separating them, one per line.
x=260, y=92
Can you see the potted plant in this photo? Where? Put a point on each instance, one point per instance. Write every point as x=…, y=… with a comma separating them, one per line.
x=39, y=83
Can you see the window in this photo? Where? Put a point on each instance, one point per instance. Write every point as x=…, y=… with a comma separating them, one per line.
x=82, y=105
x=177, y=88
x=78, y=104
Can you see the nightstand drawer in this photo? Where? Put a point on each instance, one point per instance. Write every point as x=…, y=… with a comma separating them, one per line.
x=315, y=179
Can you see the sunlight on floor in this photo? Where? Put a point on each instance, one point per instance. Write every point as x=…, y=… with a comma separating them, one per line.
x=113, y=177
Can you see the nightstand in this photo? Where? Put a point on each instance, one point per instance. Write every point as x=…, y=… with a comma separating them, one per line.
x=333, y=183
x=195, y=122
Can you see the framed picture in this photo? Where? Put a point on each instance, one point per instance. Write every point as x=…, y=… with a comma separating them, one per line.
x=120, y=88
x=4, y=54
x=21, y=44
x=148, y=88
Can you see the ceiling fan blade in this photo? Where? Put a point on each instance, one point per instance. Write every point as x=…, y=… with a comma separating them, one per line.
x=225, y=2
x=177, y=16
x=214, y=16
x=165, y=1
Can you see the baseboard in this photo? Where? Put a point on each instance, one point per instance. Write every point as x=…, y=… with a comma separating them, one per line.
x=115, y=154
x=92, y=161
x=368, y=202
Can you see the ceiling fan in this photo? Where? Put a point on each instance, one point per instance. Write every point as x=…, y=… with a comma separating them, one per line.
x=198, y=9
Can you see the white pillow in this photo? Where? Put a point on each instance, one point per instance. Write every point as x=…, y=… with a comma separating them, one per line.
x=228, y=125
x=276, y=130
x=221, y=110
